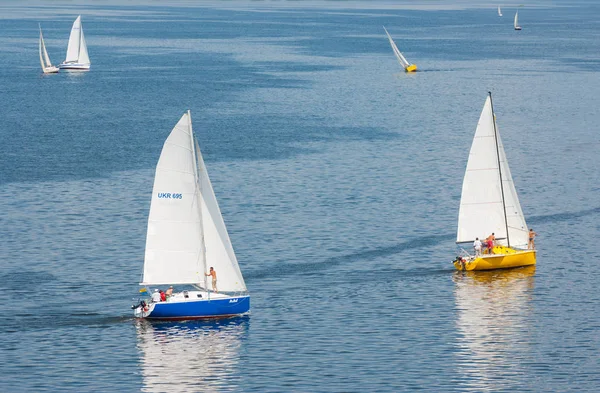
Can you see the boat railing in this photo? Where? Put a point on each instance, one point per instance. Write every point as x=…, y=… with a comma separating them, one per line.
x=464, y=254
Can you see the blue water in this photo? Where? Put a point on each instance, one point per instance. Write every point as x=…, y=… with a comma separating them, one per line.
x=338, y=177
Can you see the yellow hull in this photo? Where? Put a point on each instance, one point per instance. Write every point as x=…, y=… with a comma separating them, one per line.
x=411, y=68
x=500, y=258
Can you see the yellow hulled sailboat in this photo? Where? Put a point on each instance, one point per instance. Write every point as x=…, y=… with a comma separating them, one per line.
x=408, y=67
x=489, y=204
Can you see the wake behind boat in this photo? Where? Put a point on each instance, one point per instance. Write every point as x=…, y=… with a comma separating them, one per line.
x=401, y=59
x=47, y=67
x=489, y=204
x=187, y=241
x=77, y=55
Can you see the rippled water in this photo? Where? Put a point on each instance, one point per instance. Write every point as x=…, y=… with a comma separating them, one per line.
x=338, y=177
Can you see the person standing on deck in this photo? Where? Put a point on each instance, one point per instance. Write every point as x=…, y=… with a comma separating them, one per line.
x=213, y=274
x=531, y=243
x=477, y=247
x=156, y=296
x=490, y=242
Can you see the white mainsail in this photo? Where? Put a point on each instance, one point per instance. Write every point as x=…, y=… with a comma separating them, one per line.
x=499, y=11
x=516, y=23
x=186, y=232
x=77, y=48
x=401, y=59
x=488, y=203
x=44, y=58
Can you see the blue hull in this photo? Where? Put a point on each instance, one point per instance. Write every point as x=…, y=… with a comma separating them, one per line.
x=201, y=308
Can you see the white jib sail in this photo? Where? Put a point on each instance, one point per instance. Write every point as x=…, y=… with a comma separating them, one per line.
x=401, y=59
x=517, y=19
x=518, y=233
x=219, y=251
x=83, y=52
x=481, y=210
x=185, y=225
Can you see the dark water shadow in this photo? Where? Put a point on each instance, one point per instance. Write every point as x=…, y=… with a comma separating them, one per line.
x=281, y=270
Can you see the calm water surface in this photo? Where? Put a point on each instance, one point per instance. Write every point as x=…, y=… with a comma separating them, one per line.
x=339, y=179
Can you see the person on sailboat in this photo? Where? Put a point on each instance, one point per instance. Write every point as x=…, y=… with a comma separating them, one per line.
x=531, y=243
x=491, y=239
x=156, y=296
x=163, y=296
x=477, y=246
x=169, y=292
x=213, y=274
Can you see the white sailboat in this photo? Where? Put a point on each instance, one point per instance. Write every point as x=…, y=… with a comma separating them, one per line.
x=516, y=23
x=187, y=238
x=47, y=67
x=77, y=54
x=499, y=11
x=489, y=203
x=401, y=59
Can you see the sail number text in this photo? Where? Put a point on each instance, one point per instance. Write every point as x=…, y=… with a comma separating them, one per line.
x=167, y=195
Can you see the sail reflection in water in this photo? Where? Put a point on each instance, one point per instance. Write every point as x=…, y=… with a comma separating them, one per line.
x=493, y=321
x=190, y=356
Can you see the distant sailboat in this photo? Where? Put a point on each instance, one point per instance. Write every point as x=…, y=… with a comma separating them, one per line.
x=401, y=59
x=77, y=54
x=499, y=11
x=489, y=203
x=47, y=66
x=186, y=236
x=517, y=27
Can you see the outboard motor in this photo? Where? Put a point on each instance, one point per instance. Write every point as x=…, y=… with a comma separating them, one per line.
x=141, y=304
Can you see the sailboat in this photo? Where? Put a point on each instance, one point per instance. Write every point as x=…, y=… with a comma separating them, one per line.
x=47, y=66
x=489, y=203
x=401, y=59
x=517, y=27
x=77, y=53
x=499, y=11
x=186, y=239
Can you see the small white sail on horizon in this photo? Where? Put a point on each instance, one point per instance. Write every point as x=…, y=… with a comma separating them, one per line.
x=489, y=201
x=516, y=22
x=401, y=59
x=77, y=57
x=186, y=232
x=47, y=67
x=499, y=11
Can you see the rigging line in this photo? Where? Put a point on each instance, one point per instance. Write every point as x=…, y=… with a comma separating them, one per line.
x=499, y=168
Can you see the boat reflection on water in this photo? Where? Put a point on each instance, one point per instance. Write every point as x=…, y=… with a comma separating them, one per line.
x=190, y=356
x=494, y=326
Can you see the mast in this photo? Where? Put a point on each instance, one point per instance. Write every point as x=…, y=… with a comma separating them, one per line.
x=193, y=144
x=40, y=48
x=499, y=168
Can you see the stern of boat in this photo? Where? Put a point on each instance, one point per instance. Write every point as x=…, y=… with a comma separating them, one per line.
x=143, y=309
x=411, y=68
